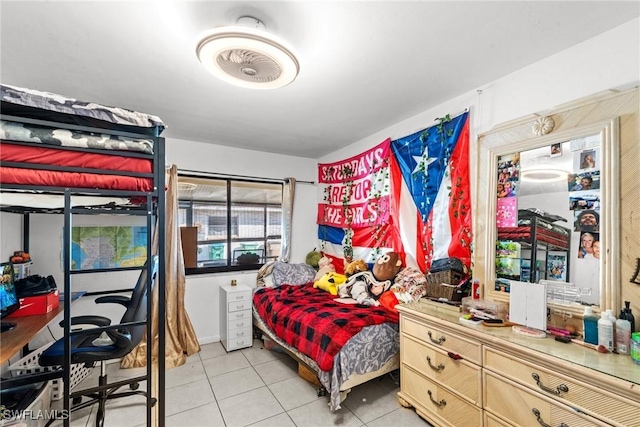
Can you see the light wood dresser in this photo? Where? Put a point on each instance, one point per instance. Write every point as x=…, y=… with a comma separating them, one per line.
x=235, y=317
x=461, y=375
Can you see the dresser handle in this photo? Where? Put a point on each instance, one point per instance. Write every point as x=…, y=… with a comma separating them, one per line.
x=438, y=341
x=454, y=356
x=536, y=412
x=560, y=389
x=438, y=404
x=438, y=368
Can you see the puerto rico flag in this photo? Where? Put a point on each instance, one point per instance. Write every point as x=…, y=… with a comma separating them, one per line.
x=411, y=196
x=431, y=193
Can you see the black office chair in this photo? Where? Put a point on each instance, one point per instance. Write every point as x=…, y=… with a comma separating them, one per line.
x=124, y=337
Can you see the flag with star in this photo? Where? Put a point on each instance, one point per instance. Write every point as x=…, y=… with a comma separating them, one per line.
x=430, y=193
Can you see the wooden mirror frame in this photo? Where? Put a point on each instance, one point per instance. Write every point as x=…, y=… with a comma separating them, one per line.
x=594, y=115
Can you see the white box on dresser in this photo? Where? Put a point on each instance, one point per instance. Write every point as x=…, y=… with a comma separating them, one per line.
x=235, y=317
x=459, y=375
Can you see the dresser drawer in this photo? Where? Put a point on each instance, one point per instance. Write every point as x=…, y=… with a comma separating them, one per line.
x=239, y=315
x=523, y=407
x=243, y=323
x=239, y=305
x=436, y=402
x=469, y=350
x=491, y=420
x=234, y=343
x=459, y=375
x=590, y=399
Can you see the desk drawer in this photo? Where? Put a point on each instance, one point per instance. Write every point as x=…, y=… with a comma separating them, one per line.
x=590, y=399
x=234, y=343
x=448, y=342
x=523, y=407
x=460, y=375
x=436, y=401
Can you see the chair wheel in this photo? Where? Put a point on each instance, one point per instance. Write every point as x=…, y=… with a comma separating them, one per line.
x=76, y=400
x=134, y=386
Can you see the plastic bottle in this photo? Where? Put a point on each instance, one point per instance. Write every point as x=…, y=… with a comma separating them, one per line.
x=605, y=332
x=612, y=317
x=590, y=326
x=623, y=336
x=635, y=347
x=629, y=316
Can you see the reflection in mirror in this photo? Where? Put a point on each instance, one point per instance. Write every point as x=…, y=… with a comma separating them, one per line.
x=547, y=219
x=546, y=210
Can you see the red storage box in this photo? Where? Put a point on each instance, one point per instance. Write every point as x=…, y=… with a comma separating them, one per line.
x=40, y=304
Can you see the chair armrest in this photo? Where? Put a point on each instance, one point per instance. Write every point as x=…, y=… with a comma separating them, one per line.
x=114, y=299
x=88, y=320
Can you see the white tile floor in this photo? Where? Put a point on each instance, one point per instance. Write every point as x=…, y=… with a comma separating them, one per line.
x=250, y=387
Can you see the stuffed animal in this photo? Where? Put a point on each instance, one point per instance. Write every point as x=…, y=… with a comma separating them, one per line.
x=354, y=267
x=387, y=266
x=312, y=258
x=324, y=266
x=330, y=282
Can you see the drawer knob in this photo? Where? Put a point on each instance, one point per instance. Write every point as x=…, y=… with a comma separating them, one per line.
x=438, y=368
x=560, y=389
x=439, y=341
x=438, y=404
x=536, y=412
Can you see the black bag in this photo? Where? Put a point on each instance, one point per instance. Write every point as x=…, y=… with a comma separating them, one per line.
x=445, y=264
x=35, y=285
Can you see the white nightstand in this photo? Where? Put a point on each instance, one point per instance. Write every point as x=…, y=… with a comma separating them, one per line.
x=235, y=317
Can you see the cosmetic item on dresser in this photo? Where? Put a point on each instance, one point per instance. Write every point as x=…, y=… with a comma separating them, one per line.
x=629, y=315
x=623, y=335
x=590, y=326
x=635, y=347
x=605, y=332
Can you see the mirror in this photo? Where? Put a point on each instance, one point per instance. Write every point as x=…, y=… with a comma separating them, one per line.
x=542, y=203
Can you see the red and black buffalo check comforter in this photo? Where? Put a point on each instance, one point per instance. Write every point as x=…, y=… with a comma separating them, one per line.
x=310, y=320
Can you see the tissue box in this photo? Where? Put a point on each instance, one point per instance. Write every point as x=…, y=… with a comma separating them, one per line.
x=39, y=304
x=485, y=308
x=20, y=271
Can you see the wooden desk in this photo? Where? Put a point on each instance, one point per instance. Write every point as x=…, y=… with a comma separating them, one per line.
x=27, y=327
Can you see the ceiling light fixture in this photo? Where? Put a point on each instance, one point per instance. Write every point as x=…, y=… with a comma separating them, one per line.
x=246, y=55
x=543, y=175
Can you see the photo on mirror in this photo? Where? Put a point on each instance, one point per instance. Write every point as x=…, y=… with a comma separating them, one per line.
x=557, y=266
x=556, y=150
x=584, y=181
x=587, y=220
x=507, y=212
x=508, y=189
x=586, y=159
x=580, y=200
x=508, y=168
x=585, y=250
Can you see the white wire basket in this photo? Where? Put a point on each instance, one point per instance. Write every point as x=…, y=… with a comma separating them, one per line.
x=29, y=365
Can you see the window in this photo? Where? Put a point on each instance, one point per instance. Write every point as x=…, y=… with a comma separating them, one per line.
x=239, y=223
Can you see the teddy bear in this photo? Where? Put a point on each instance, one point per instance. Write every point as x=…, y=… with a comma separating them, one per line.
x=366, y=287
x=324, y=266
x=355, y=266
x=330, y=282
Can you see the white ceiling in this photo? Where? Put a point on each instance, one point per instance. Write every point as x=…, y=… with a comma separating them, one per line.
x=364, y=65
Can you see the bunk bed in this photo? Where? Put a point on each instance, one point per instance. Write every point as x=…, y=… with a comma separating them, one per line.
x=65, y=156
x=538, y=236
x=337, y=346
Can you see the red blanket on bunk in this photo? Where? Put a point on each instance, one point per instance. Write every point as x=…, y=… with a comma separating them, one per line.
x=310, y=320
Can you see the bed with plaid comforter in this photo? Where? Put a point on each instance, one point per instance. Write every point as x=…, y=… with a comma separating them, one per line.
x=311, y=321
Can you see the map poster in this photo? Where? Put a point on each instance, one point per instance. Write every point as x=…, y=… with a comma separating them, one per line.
x=108, y=247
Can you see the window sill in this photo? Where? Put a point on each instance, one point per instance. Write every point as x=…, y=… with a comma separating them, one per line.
x=221, y=269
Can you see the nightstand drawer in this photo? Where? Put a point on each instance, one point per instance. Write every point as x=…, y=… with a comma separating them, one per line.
x=239, y=305
x=236, y=343
x=244, y=323
x=238, y=296
x=239, y=315
x=428, y=334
